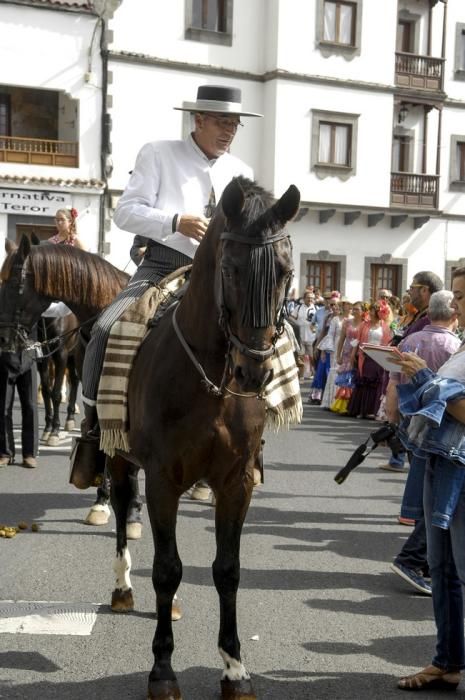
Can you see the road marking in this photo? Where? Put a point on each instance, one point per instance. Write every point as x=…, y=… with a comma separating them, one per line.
x=40, y=617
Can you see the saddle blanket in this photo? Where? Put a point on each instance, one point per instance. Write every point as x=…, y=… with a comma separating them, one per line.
x=282, y=395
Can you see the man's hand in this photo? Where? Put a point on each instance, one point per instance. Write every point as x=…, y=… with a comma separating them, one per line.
x=410, y=363
x=192, y=226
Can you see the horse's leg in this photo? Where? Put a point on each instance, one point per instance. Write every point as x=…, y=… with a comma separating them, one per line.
x=231, y=508
x=43, y=367
x=121, y=598
x=60, y=366
x=134, y=521
x=73, y=388
x=162, y=506
x=99, y=514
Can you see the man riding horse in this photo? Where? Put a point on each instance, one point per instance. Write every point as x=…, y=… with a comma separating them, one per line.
x=169, y=200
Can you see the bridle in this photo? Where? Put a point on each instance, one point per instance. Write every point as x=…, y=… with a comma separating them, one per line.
x=19, y=329
x=232, y=338
x=21, y=332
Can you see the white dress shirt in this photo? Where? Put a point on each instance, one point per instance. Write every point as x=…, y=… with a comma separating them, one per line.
x=173, y=177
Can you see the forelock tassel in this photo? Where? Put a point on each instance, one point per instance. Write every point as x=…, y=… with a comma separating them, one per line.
x=261, y=281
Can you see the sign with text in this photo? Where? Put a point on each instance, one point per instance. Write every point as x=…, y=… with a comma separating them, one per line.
x=31, y=202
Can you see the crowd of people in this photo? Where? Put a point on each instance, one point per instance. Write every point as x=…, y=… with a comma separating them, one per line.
x=424, y=398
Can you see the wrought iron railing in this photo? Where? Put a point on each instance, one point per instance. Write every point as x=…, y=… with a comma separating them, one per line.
x=16, y=149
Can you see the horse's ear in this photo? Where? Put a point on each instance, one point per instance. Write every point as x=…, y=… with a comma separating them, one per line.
x=24, y=247
x=232, y=199
x=288, y=206
x=35, y=240
x=10, y=246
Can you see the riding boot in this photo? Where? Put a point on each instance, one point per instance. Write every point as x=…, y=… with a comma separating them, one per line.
x=87, y=460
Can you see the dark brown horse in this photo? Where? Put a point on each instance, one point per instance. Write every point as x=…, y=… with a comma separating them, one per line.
x=58, y=343
x=59, y=339
x=32, y=277
x=195, y=411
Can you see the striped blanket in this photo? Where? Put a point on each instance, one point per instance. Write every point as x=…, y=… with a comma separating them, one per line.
x=282, y=395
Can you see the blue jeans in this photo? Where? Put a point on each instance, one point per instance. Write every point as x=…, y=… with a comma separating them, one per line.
x=398, y=460
x=413, y=553
x=412, y=500
x=446, y=559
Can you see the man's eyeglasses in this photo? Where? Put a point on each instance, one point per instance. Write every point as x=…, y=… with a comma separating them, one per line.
x=225, y=122
x=412, y=286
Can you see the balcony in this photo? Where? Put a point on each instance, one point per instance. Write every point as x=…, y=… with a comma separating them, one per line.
x=419, y=72
x=416, y=191
x=15, y=149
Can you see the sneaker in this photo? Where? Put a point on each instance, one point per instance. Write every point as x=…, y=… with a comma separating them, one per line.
x=406, y=521
x=415, y=578
x=4, y=461
x=392, y=468
x=30, y=462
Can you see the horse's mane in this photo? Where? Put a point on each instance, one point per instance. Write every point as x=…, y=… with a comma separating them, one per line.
x=72, y=274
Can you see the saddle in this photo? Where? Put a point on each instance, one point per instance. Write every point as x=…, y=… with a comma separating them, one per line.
x=88, y=456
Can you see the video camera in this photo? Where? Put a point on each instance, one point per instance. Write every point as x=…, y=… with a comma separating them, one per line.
x=386, y=435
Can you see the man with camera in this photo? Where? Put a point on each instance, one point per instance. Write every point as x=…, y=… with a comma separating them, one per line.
x=435, y=344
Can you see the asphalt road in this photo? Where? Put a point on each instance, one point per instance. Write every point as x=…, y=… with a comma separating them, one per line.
x=320, y=613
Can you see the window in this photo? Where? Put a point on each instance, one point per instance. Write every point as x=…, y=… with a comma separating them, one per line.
x=402, y=150
x=405, y=36
x=5, y=115
x=457, y=163
x=339, y=27
x=323, y=275
x=339, y=22
x=460, y=51
x=385, y=277
x=461, y=161
x=209, y=21
x=334, y=143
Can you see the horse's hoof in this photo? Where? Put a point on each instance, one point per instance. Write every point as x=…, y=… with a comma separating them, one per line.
x=98, y=515
x=237, y=690
x=122, y=601
x=70, y=425
x=45, y=436
x=163, y=690
x=54, y=440
x=133, y=531
x=176, y=610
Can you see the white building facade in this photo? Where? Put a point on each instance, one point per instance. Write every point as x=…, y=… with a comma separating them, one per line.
x=364, y=104
x=50, y=117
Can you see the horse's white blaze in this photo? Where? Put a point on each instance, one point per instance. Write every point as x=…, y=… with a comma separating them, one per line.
x=234, y=670
x=122, y=569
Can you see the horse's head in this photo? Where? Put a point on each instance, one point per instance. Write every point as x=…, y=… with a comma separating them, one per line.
x=19, y=305
x=253, y=275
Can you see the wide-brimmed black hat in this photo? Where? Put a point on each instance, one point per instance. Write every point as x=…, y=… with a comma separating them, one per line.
x=218, y=98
